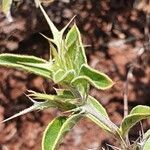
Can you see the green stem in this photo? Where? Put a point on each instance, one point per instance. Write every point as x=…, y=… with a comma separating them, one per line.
x=115, y=130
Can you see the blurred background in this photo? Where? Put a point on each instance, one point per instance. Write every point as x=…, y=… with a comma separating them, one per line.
x=117, y=39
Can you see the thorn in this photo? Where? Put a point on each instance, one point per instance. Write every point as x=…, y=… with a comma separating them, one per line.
x=43, y=89
x=113, y=147
x=49, y=39
x=63, y=30
x=31, y=108
x=87, y=46
x=31, y=99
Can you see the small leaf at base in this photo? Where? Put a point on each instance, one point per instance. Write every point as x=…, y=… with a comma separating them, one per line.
x=137, y=114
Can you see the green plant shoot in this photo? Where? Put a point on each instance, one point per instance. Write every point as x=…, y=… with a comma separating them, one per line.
x=67, y=66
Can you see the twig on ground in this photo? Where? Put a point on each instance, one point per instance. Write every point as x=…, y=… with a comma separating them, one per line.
x=125, y=94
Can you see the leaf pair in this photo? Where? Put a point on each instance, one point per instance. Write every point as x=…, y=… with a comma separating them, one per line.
x=138, y=113
x=57, y=129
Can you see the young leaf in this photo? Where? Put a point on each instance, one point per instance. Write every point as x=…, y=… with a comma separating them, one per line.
x=61, y=102
x=75, y=48
x=58, y=75
x=92, y=101
x=64, y=93
x=63, y=76
x=71, y=36
x=137, y=114
x=98, y=117
x=100, y=109
x=55, y=59
x=29, y=63
x=94, y=77
x=57, y=129
x=68, y=62
x=80, y=56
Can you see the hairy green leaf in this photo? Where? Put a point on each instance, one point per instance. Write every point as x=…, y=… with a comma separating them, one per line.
x=71, y=42
x=92, y=101
x=62, y=76
x=68, y=61
x=75, y=48
x=71, y=36
x=56, y=131
x=137, y=114
x=80, y=55
x=94, y=77
x=29, y=63
x=55, y=59
x=100, y=109
x=64, y=93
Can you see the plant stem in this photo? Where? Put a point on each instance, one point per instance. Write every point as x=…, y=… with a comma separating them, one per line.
x=125, y=95
x=115, y=130
x=91, y=110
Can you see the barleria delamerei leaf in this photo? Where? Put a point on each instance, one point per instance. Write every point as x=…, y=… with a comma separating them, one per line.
x=75, y=48
x=95, y=103
x=137, y=114
x=64, y=77
x=71, y=42
x=97, y=79
x=28, y=63
x=92, y=101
